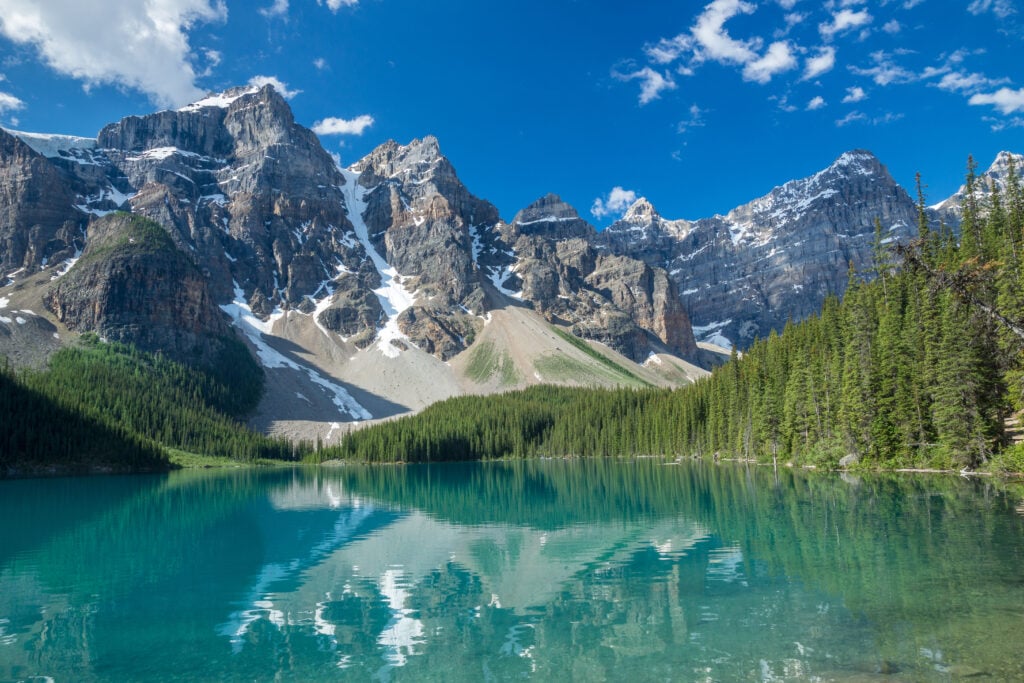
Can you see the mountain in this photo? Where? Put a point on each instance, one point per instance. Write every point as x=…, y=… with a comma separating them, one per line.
x=375, y=290
x=361, y=290
x=776, y=258
x=995, y=177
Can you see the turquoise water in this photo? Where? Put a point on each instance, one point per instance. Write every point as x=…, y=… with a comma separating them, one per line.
x=547, y=570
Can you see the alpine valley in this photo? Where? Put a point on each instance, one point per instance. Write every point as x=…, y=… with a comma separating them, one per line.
x=375, y=290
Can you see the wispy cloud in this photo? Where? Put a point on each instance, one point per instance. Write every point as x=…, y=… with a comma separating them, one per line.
x=1001, y=8
x=885, y=71
x=338, y=126
x=614, y=203
x=967, y=83
x=335, y=5
x=842, y=21
x=695, y=120
x=278, y=9
x=817, y=102
x=850, y=118
x=652, y=83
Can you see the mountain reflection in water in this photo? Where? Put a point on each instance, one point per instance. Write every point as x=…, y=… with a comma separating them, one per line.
x=587, y=570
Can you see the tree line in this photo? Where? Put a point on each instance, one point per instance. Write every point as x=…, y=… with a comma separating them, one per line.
x=111, y=405
x=919, y=365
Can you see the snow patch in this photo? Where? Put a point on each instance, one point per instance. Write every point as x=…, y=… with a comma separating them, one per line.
x=221, y=100
x=712, y=334
x=254, y=328
x=496, y=278
x=51, y=145
x=4, y=301
x=393, y=297
x=67, y=265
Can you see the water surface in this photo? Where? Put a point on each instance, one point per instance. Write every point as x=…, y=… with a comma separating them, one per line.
x=544, y=570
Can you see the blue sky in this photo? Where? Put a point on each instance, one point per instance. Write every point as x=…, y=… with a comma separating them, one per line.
x=699, y=106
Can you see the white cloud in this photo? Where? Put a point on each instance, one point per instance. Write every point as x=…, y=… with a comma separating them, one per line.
x=9, y=102
x=335, y=5
x=850, y=118
x=1005, y=100
x=787, y=4
x=280, y=86
x=784, y=104
x=821, y=63
x=911, y=4
x=854, y=94
x=777, y=59
x=816, y=103
x=336, y=126
x=143, y=46
x=652, y=83
x=955, y=81
x=320, y=63
x=715, y=42
x=1001, y=8
x=844, y=20
x=892, y=27
x=616, y=203
x=668, y=50
x=696, y=120
x=278, y=9
x=999, y=124
x=885, y=71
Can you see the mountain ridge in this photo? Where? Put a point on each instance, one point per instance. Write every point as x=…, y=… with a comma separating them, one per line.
x=364, y=289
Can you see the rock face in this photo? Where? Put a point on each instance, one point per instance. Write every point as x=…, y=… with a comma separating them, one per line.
x=745, y=273
x=395, y=252
x=133, y=285
x=617, y=300
x=38, y=223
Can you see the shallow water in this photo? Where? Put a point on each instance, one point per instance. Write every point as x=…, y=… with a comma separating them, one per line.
x=544, y=570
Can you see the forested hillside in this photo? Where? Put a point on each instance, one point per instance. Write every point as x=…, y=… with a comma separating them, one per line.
x=918, y=366
x=109, y=406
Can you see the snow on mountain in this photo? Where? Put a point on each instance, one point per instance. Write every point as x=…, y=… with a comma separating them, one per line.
x=996, y=175
x=50, y=145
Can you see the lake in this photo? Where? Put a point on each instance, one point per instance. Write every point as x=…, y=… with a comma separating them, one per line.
x=635, y=570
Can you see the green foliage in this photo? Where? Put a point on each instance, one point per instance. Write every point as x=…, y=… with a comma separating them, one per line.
x=485, y=362
x=906, y=371
x=41, y=431
x=618, y=371
x=130, y=404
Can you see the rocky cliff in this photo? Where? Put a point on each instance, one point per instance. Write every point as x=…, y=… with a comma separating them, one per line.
x=776, y=258
x=393, y=253
x=618, y=300
x=133, y=285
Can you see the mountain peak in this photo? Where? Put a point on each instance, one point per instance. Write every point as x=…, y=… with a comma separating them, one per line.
x=549, y=208
x=223, y=100
x=420, y=160
x=641, y=211
x=1000, y=168
x=859, y=161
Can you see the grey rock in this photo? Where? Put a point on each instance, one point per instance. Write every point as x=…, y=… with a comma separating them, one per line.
x=776, y=258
